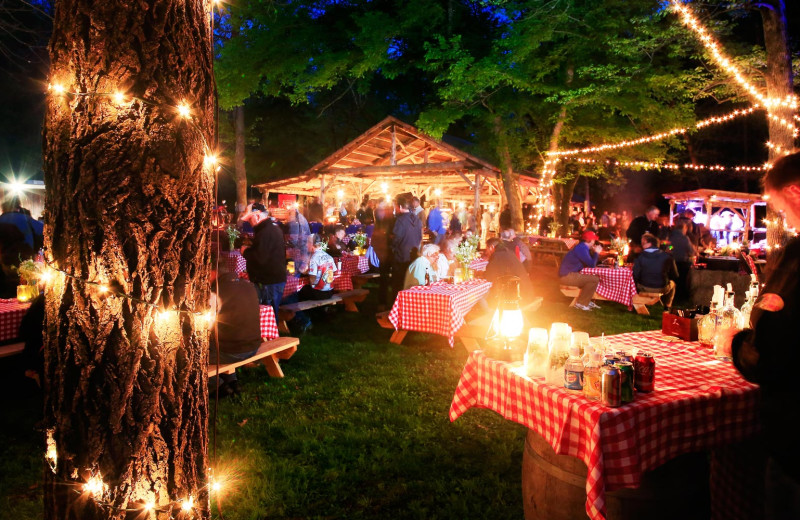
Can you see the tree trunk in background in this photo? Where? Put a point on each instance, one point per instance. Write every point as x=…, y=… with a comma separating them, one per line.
x=238, y=160
x=510, y=179
x=127, y=203
x=564, y=196
x=779, y=85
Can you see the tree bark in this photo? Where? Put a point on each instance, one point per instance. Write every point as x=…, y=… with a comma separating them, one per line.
x=779, y=85
x=510, y=179
x=238, y=160
x=127, y=204
x=563, y=194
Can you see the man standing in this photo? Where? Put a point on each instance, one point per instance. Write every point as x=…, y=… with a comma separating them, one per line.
x=647, y=223
x=406, y=240
x=436, y=224
x=584, y=254
x=266, y=258
x=655, y=270
x=764, y=353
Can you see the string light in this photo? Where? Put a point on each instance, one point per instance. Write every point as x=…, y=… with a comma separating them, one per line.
x=777, y=148
x=95, y=487
x=184, y=111
x=57, y=88
x=713, y=47
x=674, y=166
x=187, y=504
x=51, y=454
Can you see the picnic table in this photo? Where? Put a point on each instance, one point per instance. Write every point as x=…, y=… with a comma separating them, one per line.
x=235, y=261
x=269, y=325
x=616, y=285
x=569, y=242
x=438, y=308
x=479, y=264
x=699, y=403
x=11, y=313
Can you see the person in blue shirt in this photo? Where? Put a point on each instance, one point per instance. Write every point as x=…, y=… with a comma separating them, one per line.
x=655, y=270
x=28, y=226
x=436, y=224
x=584, y=254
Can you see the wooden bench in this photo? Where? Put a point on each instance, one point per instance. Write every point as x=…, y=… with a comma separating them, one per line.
x=553, y=251
x=10, y=350
x=288, y=311
x=360, y=279
x=397, y=335
x=269, y=353
x=639, y=301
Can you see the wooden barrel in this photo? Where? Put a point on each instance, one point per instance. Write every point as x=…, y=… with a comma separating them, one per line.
x=554, y=488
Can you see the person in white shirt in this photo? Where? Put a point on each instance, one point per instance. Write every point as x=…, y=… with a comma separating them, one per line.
x=321, y=270
x=422, y=270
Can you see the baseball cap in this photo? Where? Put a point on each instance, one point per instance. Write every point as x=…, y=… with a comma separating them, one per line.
x=589, y=235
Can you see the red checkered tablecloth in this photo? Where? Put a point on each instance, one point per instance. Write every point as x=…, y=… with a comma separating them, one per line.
x=479, y=264
x=269, y=327
x=354, y=264
x=616, y=285
x=699, y=403
x=11, y=313
x=340, y=283
x=236, y=262
x=438, y=308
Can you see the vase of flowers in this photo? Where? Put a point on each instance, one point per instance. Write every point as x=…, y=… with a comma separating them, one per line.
x=29, y=274
x=465, y=253
x=233, y=234
x=360, y=240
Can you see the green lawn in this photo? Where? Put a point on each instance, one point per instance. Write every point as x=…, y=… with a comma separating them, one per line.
x=358, y=428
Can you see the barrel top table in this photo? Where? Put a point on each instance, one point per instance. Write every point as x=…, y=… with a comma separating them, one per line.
x=699, y=403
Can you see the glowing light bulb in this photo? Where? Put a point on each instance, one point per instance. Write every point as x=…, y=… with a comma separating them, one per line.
x=102, y=288
x=209, y=317
x=339, y=194
x=95, y=486
x=46, y=276
x=438, y=192
x=210, y=160
x=187, y=504
x=384, y=187
x=57, y=89
x=163, y=315
x=149, y=506
x=184, y=111
x=119, y=98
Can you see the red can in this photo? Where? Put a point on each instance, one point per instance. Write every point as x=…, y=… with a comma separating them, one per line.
x=644, y=367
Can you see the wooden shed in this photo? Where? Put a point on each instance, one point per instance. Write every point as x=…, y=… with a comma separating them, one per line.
x=713, y=202
x=395, y=157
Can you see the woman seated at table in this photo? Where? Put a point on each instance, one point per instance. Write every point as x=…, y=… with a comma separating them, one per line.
x=583, y=255
x=423, y=271
x=321, y=270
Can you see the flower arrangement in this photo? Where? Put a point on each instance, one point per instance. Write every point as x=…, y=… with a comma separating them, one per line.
x=552, y=228
x=618, y=244
x=233, y=234
x=467, y=250
x=30, y=271
x=360, y=240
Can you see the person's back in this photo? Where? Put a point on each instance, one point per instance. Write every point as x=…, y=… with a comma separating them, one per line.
x=504, y=262
x=652, y=268
x=266, y=258
x=238, y=317
x=682, y=248
x=407, y=236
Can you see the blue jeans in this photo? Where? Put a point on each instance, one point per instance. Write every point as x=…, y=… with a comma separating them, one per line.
x=271, y=294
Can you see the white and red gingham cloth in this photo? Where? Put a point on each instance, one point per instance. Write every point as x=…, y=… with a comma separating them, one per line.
x=269, y=327
x=479, y=264
x=294, y=283
x=353, y=265
x=438, y=308
x=699, y=403
x=616, y=285
x=569, y=242
x=11, y=313
x=236, y=262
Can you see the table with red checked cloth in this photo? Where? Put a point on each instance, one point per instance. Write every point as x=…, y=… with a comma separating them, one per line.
x=698, y=403
x=294, y=283
x=11, y=313
x=616, y=285
x=438, y=308
x=269, y=327
x=354, y=264
x=235, y=261
x=479, y=264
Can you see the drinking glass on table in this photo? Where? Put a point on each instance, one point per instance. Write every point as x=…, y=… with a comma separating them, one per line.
x=537, y=352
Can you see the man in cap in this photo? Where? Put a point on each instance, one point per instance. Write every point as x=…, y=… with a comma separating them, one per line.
x=584, y=254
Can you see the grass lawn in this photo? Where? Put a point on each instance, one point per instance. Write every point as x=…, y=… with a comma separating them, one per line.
x=358, y=428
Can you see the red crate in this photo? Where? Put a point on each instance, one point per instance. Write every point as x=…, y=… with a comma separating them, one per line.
x=684, y=328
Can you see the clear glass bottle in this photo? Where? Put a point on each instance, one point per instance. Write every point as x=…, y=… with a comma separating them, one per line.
x=707, y=327
x=591, y=376
x=746, y=310
x=727, y=324
x=573, y=371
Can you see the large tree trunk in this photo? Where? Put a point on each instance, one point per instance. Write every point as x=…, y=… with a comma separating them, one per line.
x=779, y=85
x=563, y=196
x=238, y=160
x=127, y=204
x=510, y=179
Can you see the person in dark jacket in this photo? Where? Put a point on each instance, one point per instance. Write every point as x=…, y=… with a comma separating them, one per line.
x=381, y=244
x=266, y=258
x=647, y=223
x=765, y=351
x=654, y=271
x=406, y=240
x=237, y=334
x=336, y=246
x=684, y=253
x=503, y=262
x=584, y=254
x=455, y=224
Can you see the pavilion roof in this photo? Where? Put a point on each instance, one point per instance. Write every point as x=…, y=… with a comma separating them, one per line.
x=716, y=197
x=402, y=158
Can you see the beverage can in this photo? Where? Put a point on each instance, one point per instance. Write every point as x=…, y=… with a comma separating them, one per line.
x=611, y=359
x=645, y=372
x=626, y=381
x=610, y=389
x=624, y=356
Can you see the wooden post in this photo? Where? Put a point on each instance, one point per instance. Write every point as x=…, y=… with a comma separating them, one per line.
x=394, y=146
x=322, y=192
x=671, y=210
x=477, y=189
x=747, y=217
x=708, y=214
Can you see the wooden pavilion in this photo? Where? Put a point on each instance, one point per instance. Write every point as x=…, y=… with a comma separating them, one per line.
x=716, y=201
x=395, y=157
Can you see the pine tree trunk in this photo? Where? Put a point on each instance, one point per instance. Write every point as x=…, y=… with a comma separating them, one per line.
x=127, y=204
x=779, y=85
x=238, y=160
